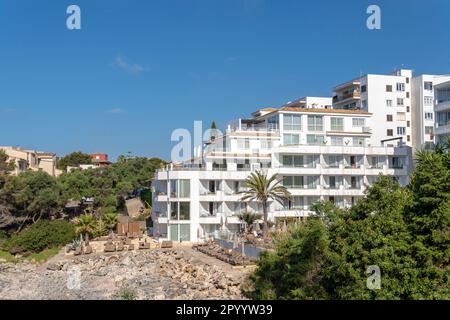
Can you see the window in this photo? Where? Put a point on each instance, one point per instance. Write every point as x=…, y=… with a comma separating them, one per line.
x=428, y=85
x=408, y=124
x=400, y=87
x=363, y=88
x=407, y=109
x=272, y=123
x=428, y=101
x=389, y=117
x=184, y=213
x=388, y=88
x=407, y=79
x=355, y=183
x=180, y=210
x=266, y=144
x=292, y=161
x=184, y=188
x=292, y=122
x=335, y=161
x=428, y=130
x=291, y=139
x=337, y=124
x=400, y=102
x=243, y=143
x=401, y=116
x=401, y=131
x=359, y=122
x=295, y=203
x=295, y=182
x=396, y=163
x=443, y=118
x=180, y=188
x=428, y=116
x=214, y=208
x=407, y=95
x=315, y=123
x=364, y=104
x=314, y=139
x=312, y=182
x=334, y=182
x=388, y=103
x=359, y=141
x=377, y=162
x=390, y=132
x=408, y=138
x=337, y=141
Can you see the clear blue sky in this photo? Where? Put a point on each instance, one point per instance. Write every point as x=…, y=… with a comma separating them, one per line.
x=139, y=69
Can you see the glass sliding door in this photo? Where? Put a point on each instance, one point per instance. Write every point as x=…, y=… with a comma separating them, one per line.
x=174, y=232
x=185, y=232
x=180, y=232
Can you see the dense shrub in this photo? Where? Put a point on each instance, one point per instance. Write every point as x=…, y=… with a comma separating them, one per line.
x=42, y=235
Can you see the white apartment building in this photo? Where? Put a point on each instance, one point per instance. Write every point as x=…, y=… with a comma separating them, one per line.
x=424, y=99
x=311, y=103
x=387, y=97
x=317, y=153
x=442, y=110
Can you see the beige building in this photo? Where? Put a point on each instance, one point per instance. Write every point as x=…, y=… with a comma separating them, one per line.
x=33, y=160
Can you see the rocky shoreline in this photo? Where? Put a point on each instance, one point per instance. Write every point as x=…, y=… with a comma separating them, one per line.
x=152, y=275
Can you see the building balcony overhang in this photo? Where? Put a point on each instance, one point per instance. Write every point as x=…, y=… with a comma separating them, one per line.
x=442, y=106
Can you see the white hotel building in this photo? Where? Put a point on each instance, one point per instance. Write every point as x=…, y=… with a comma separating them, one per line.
x=442, y=110
x=318, y=152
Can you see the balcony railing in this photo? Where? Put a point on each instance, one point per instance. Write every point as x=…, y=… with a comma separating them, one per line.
x=396, y=166
x=350, y=95
x=352, y=166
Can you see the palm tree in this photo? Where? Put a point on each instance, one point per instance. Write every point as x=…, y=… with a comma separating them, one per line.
x=85, y=223
x=249, y=218
x=110, y=220
x=262, y=189
x=101, y=228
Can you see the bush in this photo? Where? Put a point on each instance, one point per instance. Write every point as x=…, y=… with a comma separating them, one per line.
x=41, y=235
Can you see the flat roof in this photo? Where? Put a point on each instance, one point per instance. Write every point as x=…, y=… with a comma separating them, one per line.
x=338, y=111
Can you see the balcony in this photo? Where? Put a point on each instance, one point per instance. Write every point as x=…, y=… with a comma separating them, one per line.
x=442, y=105
x=443, y=129
x=354, y=95
x=252, y=127
x=245, y=167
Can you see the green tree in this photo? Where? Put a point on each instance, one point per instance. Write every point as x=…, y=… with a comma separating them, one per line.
x=428, y=217
x=262, y=189
x=86, y=224
x=73, y=159
x=42, y=235
x=403, y=231
x=249, y=218
x=293, y=271
x=110, y=220
x=6, y=166
x=213, y=131
x=31, y=196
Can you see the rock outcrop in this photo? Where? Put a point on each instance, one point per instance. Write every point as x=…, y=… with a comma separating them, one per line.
x=156, y=274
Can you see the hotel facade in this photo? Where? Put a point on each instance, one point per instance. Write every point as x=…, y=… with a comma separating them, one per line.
x=320, y=149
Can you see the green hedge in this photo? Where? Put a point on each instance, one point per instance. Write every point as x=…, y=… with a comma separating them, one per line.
x=42, y=235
